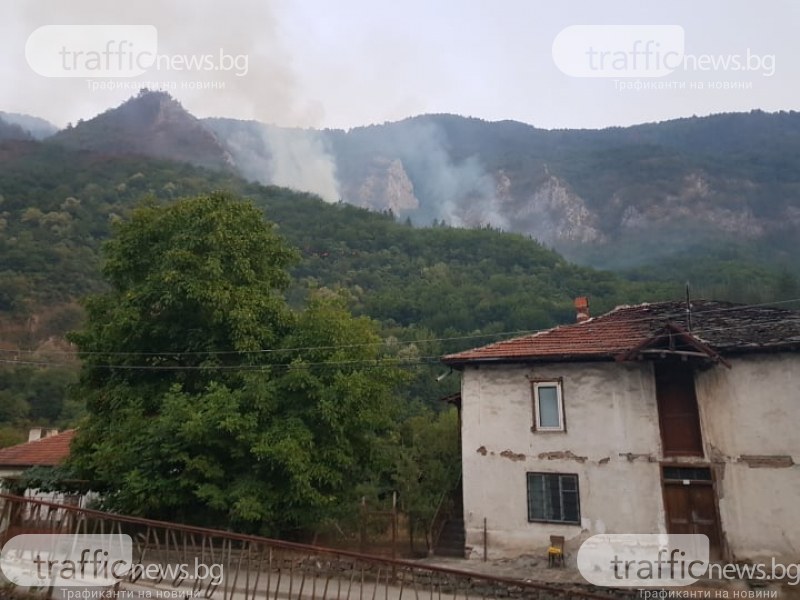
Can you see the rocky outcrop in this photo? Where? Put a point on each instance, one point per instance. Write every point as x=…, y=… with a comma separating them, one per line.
x=386, y=187
x=554, y=213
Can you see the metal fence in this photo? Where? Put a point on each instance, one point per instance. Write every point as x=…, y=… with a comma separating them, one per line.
x=255, y=567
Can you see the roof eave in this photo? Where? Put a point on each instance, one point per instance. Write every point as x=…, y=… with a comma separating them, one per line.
x=760, y=349
x=651, y=344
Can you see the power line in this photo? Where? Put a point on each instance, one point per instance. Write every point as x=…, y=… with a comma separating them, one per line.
x=678, y=313
x=383, y=342
x=361, y=363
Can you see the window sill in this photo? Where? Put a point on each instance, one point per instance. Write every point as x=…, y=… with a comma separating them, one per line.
x=545, y=522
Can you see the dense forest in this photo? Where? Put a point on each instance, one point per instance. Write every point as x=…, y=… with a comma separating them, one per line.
x=431, y=289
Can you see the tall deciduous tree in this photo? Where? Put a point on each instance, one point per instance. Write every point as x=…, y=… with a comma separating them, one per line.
x=209, y=399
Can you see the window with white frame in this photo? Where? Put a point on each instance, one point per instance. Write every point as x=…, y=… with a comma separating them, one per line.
x=548, y=406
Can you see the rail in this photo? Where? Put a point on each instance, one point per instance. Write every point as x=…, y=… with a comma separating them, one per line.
x=254, y=567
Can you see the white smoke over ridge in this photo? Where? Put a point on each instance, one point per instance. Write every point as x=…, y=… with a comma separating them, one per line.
x=300, y=160
x=459, y=192
x=295, y=158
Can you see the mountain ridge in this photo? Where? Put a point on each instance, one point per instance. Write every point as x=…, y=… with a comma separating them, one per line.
x=150, y=124
x=37, y=127
x=57, y=206
x=644, y=191
x=12, y=131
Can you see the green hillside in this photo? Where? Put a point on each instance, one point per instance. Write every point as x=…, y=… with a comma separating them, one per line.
x=58, y=206
x=468, y=286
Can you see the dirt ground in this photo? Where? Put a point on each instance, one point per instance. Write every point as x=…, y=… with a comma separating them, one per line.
x=535, y=568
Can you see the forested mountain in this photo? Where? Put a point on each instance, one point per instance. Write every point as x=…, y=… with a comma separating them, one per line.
x=619, y=197
x=613, y=198
x=57, y=206
x=150, y=124
x=659, y=199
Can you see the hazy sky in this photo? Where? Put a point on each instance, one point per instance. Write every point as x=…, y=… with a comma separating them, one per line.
x=346, y=63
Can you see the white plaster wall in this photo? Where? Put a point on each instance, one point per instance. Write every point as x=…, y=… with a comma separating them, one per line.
x=754, y=409
x=612, y=443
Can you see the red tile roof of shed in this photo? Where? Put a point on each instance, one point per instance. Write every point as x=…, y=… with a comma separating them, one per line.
x=50, y=451
x=724, y=326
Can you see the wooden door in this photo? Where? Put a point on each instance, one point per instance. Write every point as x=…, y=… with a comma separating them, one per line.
x=678, y=416
x=691, y=508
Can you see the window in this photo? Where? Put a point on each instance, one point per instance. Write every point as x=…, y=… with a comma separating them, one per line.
x=688, y=473
x=553, y=498
x=548, y=407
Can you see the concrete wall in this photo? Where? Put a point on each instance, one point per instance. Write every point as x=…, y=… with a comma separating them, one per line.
x=613, y=444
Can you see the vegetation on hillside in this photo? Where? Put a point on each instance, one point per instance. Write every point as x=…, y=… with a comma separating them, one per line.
x=611, y=198
x=647, y=191
x=432, y=290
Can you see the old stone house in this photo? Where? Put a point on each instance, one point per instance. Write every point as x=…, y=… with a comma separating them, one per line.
x=665, y=417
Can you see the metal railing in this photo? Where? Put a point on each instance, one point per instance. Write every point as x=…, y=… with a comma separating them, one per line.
x=254, y=567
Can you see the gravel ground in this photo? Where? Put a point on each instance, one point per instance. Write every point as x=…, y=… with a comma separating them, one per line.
x=535, y=568
x=530, y=567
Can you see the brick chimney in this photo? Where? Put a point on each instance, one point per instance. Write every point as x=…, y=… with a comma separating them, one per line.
x=582, y=308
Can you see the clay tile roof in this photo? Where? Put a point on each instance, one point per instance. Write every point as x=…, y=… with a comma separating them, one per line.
x=50, y=451
x=725, y=327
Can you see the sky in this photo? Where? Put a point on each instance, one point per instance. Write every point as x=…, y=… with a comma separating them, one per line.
x=318, y=63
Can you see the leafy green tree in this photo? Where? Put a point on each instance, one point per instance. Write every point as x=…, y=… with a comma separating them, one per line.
x=428, y=467
x=9, y=436
x=36, y=395
x=13, y=407
x=46, y=390
x=211, y=401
